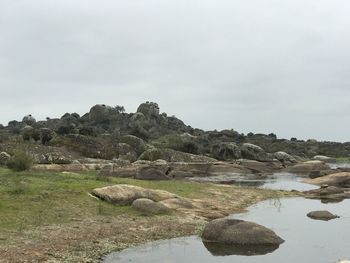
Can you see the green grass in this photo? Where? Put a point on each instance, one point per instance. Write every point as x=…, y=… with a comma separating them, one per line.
x=342, y=159
x=42, y=198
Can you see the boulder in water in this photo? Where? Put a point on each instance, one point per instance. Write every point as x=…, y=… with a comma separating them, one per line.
x=322, y=215
x=239, y=232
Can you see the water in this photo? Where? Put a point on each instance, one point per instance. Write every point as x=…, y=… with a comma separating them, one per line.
x=339, y=165
x=287, y=182
x=306, y=240
x=277, y=181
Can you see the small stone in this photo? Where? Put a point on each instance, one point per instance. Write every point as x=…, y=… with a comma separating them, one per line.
x=150, y=207
x=322, y=215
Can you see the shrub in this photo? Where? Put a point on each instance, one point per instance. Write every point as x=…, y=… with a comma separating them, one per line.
x=20, y=161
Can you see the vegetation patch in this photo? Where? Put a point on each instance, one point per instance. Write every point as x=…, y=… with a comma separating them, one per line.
x=20, y=161
x=35, y=206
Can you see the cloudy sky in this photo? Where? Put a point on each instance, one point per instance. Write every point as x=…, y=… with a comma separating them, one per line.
x=252, y=65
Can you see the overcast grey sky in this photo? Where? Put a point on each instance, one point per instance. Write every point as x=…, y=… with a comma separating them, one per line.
x=252, y=65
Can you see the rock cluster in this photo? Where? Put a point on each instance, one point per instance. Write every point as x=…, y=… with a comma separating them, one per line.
x=126, y=194
x=255, y=152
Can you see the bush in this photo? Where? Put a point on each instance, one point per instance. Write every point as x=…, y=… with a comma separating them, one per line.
x=20, y=161
x=178, y=142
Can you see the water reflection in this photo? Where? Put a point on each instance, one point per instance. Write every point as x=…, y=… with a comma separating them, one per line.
x=339, y=165
x=228, y=250
x=279, y=181
x=305, y=240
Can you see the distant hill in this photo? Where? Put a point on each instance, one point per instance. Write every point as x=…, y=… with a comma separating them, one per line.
x=104, y=125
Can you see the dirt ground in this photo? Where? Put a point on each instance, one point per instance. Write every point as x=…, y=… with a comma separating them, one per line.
x=88, y=239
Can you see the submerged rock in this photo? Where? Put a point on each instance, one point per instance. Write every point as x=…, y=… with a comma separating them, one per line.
x=322, y=215
x=328, y=194
x=239, y=232
x=148, y=206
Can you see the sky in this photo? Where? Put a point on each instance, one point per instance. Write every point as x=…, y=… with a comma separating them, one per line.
x=252, y=65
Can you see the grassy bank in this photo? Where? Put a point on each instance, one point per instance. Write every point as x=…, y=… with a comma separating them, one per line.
x=51, y=216
x=34, y=199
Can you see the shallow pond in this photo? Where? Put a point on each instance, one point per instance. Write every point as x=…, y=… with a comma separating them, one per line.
x=339, y=165
x=277, y=181
x=306, y=240
x=280, y=181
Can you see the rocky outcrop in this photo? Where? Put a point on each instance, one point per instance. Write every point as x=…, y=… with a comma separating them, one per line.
x=153, y=173
x=234, y=231
x=149, y=109
x=226, y=151
x=306, y=168
x=126, y=194
x=178, y=203
x=4, y=158
x=284, y=158
x=116, y=170
x=328, y=194
x=28, y=133
x=260, y=167
x=73, y=167
x=46, y=135
x=29, y=120
x=322, y=215
x=325, y=159
x=162, y=170
x=227, y=168
x=52, y=158
x=170, y=155
x=320, y=173
x=149, y=124
x=137, y=144
x=337, y=179
x=255, y=152
x=89, y=146
x=100, y=112
x=184, y=142
x=149, y=207
x=126, y=152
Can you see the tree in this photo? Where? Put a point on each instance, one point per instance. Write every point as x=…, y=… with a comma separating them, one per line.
x=119, y=109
